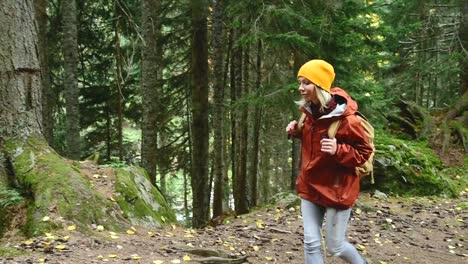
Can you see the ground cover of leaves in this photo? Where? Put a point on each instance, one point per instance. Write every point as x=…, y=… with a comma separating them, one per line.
x=396, y=230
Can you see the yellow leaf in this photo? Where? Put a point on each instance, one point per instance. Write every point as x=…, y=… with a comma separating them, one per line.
x=114, y=237
x=269, y=258
x=28, y=242
x=361, y=246
x=405, y=258
x=151, y=234
x=45, y=218
x=60, y=247
x=133, y=228
x=112, y=233
x=158, y=262
x=232, y=248
x=100, y=228
x=112, y=256
x=111, y=198
x=256, y=248
x=71, y=228
x=260, y=224
x=186, y=258
x=41, y=260
x=174, y=226
x=100, y=257
x=382, y=262
x=130, y=232
x=176, y=261
x=189, y=236
x=163, y=219
x=136, y=257
x=66, y=238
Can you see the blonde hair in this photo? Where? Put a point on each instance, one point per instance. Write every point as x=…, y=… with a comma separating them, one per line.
x=323, y=96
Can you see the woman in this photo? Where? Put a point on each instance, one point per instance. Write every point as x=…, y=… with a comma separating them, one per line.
x=328, y=183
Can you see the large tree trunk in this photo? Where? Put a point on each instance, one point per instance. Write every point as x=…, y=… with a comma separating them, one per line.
x=48, y=96
x=151, y=81
x=218, y=109
x=71, y=94
x=50, y=186
x=200, y=131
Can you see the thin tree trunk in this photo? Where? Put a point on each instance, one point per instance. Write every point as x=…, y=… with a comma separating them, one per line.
x=200, y=131
x=464, y=46
x=239, y=173
x=118, y=77
x=150, y=84
x=218, y=109
x=71, y=92
x=48, y=97
x=258, y=112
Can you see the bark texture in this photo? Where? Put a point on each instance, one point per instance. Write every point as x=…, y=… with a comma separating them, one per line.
x=48, y=96
x=20, y=97
x=71, y=93
x=199, y=125
x=218, y=109
x=150, y=83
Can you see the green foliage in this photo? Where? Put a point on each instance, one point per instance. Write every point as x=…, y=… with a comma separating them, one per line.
x=408, y=167
x=9, y=197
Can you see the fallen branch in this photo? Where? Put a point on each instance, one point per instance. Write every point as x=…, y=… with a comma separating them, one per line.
x=218, y=260
x=280, y=230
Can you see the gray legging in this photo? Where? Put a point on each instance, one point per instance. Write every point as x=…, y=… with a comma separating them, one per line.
x=335, y=229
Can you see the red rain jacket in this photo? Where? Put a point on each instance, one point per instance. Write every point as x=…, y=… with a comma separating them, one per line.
x=332, y=180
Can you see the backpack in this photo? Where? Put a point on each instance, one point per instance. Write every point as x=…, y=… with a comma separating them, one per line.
x=366, y=169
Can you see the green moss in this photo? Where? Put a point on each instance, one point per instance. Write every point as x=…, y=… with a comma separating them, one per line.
x=55, y=189
x=141, y=202
x=409, y=167
x=7, y=252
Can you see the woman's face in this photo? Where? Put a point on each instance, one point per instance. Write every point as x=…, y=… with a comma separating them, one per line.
x=307, y=90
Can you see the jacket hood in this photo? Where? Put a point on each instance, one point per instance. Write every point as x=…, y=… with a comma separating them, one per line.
x=341, y=97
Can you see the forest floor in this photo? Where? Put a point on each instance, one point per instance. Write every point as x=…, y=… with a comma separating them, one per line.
x=395, y=230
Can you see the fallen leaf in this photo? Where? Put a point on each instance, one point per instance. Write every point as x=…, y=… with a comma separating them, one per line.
x=269, y=258
x=41, y=260
x=100, y=228
x=71, y=228
x=45, y=218
x=136, y=257
x=60, y=247
x=158, y=262
x=130, y=232
x=256, y=248
x=176, y=261
x=186, y=258
x=112, y=256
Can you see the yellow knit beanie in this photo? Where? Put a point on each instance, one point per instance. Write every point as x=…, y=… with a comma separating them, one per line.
x=319, y=72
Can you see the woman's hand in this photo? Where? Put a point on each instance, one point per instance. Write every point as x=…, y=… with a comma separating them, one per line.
x=328, y=145
x=291, y=128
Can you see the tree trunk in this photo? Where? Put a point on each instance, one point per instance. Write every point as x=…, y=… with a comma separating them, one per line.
x=48, y=97
x=464, y=47
x=71, y=92
x=218, y=109
x=150, y=83
x=257, y=120
x=118, y=77
x=200, y=131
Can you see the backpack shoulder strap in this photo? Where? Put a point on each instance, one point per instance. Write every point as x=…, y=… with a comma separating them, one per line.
x=300, y=122
x=333, y=128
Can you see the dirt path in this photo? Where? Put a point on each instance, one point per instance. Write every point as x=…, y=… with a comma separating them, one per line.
x=393, y=231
